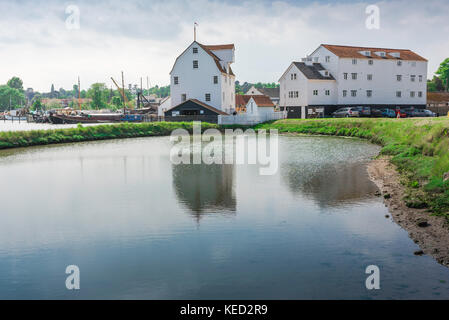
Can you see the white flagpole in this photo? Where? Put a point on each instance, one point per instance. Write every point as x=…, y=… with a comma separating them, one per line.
x=194, y=30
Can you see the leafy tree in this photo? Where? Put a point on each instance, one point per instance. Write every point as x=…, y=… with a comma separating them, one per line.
x=443, y=73
x=10, y=95
x=238, y=88
x=37, y=103
x=435, y=85
x=116, y=101
x=15, y=83
x=63, y=94
x=75, y=90
x=98, y=92
x=241, y=89
x=160, y=92
x=431, y=87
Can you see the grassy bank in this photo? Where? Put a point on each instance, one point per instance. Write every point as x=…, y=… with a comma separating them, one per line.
x=418, y=147
x=15, y=139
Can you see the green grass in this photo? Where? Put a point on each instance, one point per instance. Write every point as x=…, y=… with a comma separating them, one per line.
x=418, y=147
x=16, y=139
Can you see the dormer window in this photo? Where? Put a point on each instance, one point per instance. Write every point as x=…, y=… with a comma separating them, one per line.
x=365, y=53
x=395, y=54
x=381, y=53
x=195, y=50
x=326, y=73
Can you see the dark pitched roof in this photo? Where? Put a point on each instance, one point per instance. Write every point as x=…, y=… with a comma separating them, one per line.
x=271, y=92
x=202, y=104
x=312, y=71
x=353, y=52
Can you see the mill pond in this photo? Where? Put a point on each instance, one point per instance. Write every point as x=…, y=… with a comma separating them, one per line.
x=139, y=227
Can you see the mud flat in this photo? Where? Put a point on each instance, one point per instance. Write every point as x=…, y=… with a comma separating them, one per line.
x=430, y=232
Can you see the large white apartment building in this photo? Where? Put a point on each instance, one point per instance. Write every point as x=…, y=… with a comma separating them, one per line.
x=203, y=73
x=336, y=76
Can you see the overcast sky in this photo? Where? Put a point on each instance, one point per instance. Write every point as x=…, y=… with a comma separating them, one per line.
x=143, y=38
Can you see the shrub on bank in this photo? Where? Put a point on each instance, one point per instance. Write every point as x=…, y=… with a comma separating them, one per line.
x=14, y=139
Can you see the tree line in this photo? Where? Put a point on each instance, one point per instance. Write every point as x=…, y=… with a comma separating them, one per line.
x=440, y=81
x=98, y=96
x=243, y=88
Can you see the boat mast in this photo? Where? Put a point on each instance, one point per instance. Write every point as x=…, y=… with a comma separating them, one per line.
x=79, y=94
x=123, y=86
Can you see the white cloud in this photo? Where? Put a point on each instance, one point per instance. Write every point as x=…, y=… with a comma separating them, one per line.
x=144, y=37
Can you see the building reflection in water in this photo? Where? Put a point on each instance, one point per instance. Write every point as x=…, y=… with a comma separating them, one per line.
x=205, y=189
x=329, y=185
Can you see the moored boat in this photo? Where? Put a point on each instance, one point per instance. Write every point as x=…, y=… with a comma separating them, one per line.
x=84, y=118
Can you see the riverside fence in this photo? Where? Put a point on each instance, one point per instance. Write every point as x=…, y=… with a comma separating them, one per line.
x=245, y=119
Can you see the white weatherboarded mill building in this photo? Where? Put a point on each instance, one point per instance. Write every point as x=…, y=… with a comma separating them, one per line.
x=203, y=73
x=336, y=76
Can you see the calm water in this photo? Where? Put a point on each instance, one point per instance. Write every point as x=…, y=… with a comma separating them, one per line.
x=139, y=227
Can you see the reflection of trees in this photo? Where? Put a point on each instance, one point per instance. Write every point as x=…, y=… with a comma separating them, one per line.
x=329, y=185
x=205, y=188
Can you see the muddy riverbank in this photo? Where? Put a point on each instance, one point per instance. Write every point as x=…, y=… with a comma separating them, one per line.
x=430, y=232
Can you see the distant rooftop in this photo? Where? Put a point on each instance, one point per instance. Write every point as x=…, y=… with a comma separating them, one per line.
x=220, y=46
x=354, y=52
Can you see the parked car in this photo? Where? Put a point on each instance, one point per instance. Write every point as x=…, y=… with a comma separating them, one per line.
x=408, y=112
x=419, y=113
x=388, y=113
x=430, y=113
x=345, y=113
x=364, y=111
x=376, y=113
